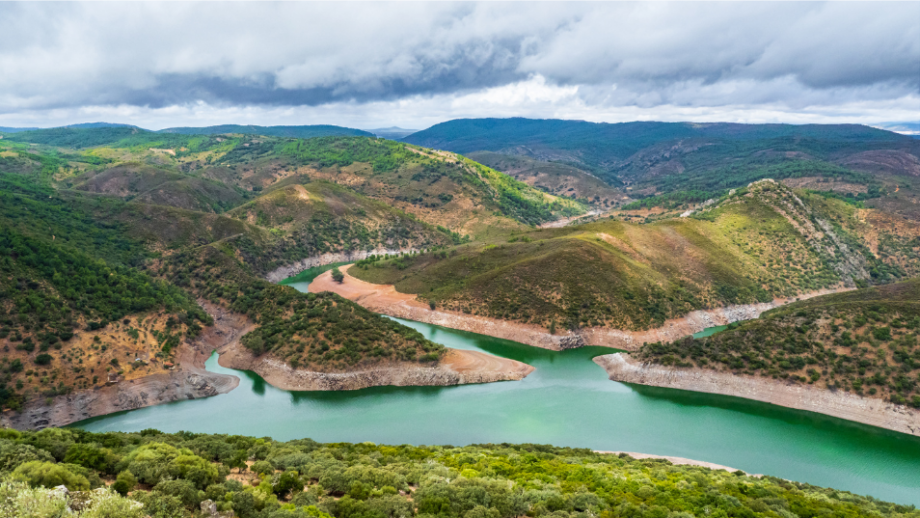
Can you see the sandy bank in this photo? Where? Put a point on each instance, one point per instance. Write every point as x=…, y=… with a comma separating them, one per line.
x=678, y=461
x=283, y=272
x=871, y=411
x=187, y=380
x=456, y=368
x=383, y=298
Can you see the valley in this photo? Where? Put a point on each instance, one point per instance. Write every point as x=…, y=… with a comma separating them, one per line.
x=128, y=257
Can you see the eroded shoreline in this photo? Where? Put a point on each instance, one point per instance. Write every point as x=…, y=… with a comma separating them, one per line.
x=844, y=405
x=383, y=298
x=187, y=380
x=458, y=367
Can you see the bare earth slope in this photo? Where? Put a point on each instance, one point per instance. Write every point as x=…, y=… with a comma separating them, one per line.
x=875, y=412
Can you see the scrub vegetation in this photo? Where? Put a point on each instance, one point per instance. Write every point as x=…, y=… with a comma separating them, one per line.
x=760, y=243
x=170, y=475
x=862, y=341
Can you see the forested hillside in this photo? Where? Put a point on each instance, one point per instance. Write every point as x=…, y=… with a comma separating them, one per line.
x=690, y=163
x=179, y=475
x=862, y=341
x=111, y=238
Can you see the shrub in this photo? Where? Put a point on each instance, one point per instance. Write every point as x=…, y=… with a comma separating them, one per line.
x=124, y=483
x=43, y=359
x=47, y=474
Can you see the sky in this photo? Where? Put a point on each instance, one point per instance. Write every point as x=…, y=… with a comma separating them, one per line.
x=371, y=65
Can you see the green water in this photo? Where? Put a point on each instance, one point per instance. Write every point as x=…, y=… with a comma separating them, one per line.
x=709, y=331
x=567, y=401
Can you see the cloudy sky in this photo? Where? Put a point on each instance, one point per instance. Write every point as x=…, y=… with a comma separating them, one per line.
x=416, y=64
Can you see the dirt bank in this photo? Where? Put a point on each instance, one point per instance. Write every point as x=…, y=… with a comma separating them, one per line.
x=678, y=461
x=383, y=298
x=284, y=272
x=457, y=368
x=187, y=380
x=875, y=412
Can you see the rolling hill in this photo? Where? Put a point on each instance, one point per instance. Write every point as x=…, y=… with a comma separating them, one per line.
x=654, y=158
x=759, y=243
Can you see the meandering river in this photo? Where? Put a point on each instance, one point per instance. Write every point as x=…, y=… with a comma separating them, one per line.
x=567, y=401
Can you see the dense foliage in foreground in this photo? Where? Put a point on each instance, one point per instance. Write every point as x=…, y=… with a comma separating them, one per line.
x=171, y=474
x=862, y=341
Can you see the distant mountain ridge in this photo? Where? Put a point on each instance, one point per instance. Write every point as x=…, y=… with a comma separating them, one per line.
x=310, y=131
x=707, y=159
x=82, y=125
x=393, y=132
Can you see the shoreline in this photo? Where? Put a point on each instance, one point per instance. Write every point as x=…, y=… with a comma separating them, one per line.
x=384, y=299
x=677, y=461
x=840, y=404
x=458, y=367
x=187, y=380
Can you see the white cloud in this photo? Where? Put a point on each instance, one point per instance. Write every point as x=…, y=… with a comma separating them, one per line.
x=166, y=64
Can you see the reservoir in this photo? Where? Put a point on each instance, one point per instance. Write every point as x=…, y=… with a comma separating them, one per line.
x=567, y=401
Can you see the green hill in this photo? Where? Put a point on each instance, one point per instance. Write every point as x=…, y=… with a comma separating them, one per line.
x=170, y=475
x=760, y=243
x=648, y=158
x=863, y=341
x=553, y=177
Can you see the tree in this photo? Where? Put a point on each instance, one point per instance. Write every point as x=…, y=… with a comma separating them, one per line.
x=124, y=483
x=337, y=275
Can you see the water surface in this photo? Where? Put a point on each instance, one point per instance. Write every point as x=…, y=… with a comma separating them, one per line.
x=567, y=401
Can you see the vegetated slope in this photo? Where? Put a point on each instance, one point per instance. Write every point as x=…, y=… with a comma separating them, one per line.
x=90, y=290
x=307, y=220
x=761, y=242
x=863, y=341
x=160, y=186
x=320, y=332
x=653, y=158
x=553, y=177
x=311, y=131
x=439, y=188
x=172, y=474
x=72, y=306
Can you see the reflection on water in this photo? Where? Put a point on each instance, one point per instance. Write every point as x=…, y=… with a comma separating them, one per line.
x=566, y=401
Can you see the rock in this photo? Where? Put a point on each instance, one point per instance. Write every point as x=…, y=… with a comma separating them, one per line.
x=209, y=508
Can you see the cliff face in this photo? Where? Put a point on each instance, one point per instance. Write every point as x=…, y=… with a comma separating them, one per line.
x=283, y=272
x=871, y=411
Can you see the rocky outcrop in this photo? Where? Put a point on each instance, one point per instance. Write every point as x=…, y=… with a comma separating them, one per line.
x=188, y=380
x=279, y=274
x=456, y=368
x=386, y=300
x=845, y=405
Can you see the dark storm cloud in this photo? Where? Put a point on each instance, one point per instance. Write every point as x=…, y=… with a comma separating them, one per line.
x=644, y=55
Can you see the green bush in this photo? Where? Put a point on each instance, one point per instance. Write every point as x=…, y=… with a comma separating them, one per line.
x=49, y=475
